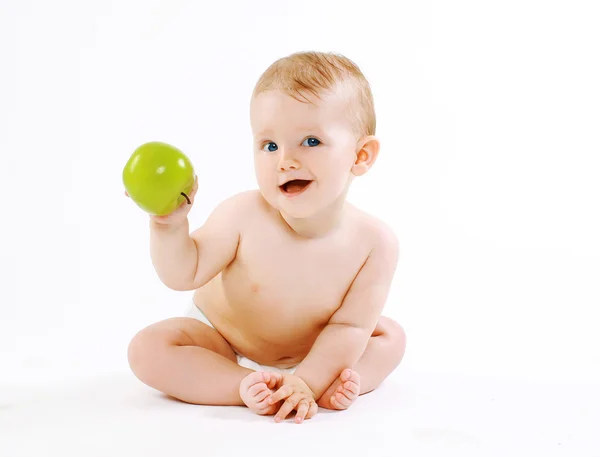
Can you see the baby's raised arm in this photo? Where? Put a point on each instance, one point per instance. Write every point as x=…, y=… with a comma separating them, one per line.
x=185, y=261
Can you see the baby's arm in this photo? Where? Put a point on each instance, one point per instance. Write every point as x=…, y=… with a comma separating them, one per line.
x=185, y=261
x=343, y=341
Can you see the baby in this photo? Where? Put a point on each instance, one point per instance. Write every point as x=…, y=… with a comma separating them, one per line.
x=289, y=280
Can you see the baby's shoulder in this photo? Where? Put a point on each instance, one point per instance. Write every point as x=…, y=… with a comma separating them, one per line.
x=241, y=206
x=244, y=198
x=377, y=231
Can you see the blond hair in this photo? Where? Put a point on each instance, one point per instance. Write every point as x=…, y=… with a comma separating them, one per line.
x=315, y=72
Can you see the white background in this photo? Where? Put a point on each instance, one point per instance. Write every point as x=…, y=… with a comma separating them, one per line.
x=488, y=113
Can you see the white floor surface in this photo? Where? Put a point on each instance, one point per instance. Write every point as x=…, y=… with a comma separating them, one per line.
x=412, y=414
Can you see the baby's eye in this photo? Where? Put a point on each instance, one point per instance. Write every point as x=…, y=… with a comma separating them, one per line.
x=270, y=147
x=311, y=142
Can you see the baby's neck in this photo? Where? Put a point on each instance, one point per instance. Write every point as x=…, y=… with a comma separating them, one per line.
x=321, y=224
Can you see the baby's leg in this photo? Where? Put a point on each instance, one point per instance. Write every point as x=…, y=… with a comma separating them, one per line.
x=383, y=354
x=186, y=359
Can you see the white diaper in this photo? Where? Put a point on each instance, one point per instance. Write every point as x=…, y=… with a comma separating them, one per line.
x=194, y=312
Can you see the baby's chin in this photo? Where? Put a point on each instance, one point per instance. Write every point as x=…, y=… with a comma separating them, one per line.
x=297, y=212
x=304, y=212
x=295, y=209
x=301, y=207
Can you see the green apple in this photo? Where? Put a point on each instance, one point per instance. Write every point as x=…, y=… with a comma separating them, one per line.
x=158, y=177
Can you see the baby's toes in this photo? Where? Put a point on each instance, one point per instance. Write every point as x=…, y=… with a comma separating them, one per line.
x=347, y=391
x=346, y=394
x=341, y=400
x=265, y=408
x=350, y=376
x=350, y=389
x=259, y=392
x=254, y=390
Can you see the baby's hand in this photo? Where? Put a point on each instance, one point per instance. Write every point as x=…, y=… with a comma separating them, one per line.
x=298, y=397
x=178, y=216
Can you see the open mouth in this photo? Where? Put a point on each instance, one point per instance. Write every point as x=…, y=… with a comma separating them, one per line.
x=295, y=186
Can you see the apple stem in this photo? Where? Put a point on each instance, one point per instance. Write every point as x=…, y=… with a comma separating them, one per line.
x=187, y=198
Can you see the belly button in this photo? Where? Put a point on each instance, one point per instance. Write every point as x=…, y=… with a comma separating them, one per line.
x=254, y=287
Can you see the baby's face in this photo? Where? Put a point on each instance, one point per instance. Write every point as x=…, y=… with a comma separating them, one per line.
x=312, y=143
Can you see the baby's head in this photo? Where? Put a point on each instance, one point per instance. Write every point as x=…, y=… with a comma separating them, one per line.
x=313, y=120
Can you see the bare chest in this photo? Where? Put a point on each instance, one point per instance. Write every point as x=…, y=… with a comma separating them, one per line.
x=292, y=278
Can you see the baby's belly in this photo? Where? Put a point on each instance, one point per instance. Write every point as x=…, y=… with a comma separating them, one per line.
x=274, y=336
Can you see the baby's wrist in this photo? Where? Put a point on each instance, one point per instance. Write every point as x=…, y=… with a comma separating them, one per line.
x=310, y=389
x=167, y=227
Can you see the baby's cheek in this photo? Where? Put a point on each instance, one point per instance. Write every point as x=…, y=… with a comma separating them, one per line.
x=340, y=182
x=264, y=179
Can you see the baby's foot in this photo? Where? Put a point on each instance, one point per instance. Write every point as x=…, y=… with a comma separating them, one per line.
x=256, y=388
x=342, y=393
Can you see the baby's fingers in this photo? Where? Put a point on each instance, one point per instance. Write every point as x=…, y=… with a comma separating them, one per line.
x=283, y=392
x=303, y=408
x=273, y=379
x=312, y=410
x=193, y=191
x=288, y=406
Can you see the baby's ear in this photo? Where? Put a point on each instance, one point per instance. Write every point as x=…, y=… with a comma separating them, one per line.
x=366, y=154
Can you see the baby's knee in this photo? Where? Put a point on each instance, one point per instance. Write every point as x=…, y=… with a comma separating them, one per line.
x=394, y=333
x=138, y=352
x=146, y=347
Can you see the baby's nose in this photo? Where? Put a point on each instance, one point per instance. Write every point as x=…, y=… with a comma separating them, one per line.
x=288, y=164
